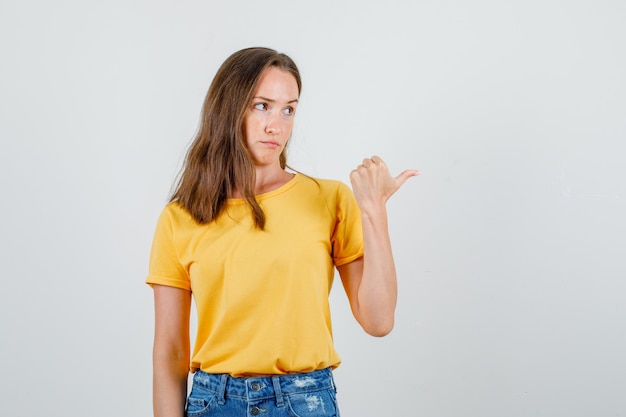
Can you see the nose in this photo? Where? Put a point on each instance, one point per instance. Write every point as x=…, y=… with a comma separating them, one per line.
x=273, y=125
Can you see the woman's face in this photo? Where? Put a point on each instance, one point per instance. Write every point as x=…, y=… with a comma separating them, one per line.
x=269, y=119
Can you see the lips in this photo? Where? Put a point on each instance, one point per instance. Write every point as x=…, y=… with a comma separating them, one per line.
x=270, y=143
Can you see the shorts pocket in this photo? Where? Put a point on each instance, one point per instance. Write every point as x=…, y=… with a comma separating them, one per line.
x=200, y=403
x=313, y=404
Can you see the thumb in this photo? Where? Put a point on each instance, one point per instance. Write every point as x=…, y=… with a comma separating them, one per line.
x=405, y=175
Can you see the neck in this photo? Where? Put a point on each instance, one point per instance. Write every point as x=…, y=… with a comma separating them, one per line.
x=269, y=178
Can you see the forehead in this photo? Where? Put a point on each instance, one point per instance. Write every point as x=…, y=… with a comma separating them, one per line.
x=277, y=84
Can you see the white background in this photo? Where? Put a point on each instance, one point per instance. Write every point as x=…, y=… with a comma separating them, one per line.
x=510, y=246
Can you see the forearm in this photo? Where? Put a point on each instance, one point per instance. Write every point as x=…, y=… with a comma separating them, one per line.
x=378, y=289
x=170, y=373
x=371, y=282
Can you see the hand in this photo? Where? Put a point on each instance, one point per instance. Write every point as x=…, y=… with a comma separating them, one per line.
x=372, y=183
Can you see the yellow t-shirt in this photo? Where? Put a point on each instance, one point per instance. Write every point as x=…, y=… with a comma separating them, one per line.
x=262, y=295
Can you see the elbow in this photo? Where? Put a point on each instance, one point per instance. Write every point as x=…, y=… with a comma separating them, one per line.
x=375, y=317
x=380, y=329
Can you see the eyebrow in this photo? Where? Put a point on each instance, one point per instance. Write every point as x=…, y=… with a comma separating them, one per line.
x=273, y=101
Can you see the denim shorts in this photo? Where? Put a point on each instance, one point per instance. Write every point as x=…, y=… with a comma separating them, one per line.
x=310, y=394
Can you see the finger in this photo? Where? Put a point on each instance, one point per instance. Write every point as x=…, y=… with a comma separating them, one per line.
x=366, y=162
x=406, y=174
x=377, y=159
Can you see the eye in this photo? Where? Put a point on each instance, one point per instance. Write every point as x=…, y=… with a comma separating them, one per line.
x=260, y=106
x=289, y=111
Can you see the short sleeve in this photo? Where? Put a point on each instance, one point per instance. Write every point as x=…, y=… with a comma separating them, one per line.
x=347, y=239
x=165, y=267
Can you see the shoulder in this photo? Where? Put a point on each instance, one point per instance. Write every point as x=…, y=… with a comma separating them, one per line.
x=325, y=186
x=335, y=195
x=176, y=216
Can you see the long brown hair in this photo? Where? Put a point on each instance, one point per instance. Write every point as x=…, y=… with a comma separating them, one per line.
x=218, y=161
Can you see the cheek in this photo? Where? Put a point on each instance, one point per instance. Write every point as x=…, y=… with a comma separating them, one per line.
x=288, y=127
x=252, y=123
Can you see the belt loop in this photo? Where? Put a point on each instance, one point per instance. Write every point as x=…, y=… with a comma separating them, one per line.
x=221, y=390
x=279, y=394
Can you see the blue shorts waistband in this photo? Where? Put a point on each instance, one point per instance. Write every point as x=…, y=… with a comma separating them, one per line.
x=261, y=387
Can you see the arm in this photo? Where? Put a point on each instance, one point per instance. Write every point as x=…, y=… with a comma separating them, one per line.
x=370, y=281
x=171, y=351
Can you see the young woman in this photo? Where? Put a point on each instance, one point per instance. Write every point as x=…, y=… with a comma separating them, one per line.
x=256, y=245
